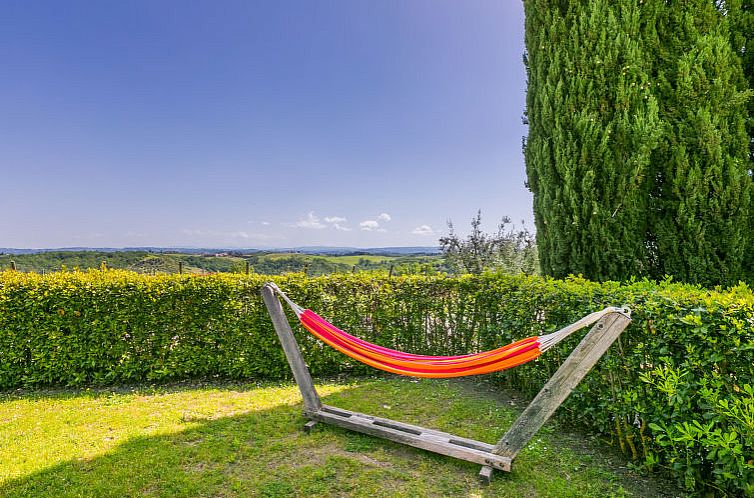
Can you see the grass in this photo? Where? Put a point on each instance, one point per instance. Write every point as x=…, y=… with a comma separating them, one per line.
x=246, y=440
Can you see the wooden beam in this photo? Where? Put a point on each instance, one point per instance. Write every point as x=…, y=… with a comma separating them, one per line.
x=292, y=352
x=413, y=435
x=560, y=385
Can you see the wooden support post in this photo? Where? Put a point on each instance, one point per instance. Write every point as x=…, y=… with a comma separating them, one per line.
x=292, y=353
x=485, y=475
x=560, y=385
x=180, y=267
x=247, y=266
x=12, y=265
x=309, y=426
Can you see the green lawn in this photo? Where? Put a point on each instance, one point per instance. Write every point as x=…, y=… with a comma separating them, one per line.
x=246, y=440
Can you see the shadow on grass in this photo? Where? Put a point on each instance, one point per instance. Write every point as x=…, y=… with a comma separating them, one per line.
x=265, y=453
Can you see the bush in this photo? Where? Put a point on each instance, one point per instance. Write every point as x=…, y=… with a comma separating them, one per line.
x=674, y=391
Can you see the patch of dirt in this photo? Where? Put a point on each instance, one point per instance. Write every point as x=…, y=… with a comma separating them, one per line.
x=198, y=467
x=193, y=442
x=317, y=455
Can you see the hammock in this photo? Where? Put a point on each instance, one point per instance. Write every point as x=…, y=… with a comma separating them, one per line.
x=414, y=365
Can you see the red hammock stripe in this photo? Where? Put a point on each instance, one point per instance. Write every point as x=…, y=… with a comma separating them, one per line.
x=399, y=357
x=370, y=348
x=402, y=363
x=374, y=347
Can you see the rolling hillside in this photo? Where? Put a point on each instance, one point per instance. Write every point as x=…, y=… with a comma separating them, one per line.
x=270, y=263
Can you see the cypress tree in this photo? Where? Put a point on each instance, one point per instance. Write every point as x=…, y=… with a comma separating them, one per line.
x=741, y=18
x=593, y=125
x=637, y=153
x=701, y=198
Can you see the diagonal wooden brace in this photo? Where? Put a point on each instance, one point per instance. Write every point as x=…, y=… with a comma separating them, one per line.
x=571, y=372
x=292, y=352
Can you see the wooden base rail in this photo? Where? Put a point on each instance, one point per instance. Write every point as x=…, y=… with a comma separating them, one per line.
x=413, y=435
x=500, y=456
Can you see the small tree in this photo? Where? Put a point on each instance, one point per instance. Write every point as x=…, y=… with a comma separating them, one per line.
x=507, y=250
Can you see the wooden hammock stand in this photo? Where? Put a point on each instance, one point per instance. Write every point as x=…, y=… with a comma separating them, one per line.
x=498, y=456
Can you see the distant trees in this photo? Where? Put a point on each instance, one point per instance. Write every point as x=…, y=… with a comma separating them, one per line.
x=507, y=250
x=637, y=152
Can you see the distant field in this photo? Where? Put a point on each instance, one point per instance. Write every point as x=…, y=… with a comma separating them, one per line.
x=353, y=260
x=346, y=260
x=265, y=263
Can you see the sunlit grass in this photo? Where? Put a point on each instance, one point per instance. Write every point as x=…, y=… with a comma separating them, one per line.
x=246, y=440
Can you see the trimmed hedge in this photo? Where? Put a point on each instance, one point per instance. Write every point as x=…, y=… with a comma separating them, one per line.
x=675, y=391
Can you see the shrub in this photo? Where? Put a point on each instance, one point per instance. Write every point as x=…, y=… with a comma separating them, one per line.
x=674, y=391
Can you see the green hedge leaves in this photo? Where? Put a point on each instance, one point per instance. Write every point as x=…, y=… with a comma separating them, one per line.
x=675, y=391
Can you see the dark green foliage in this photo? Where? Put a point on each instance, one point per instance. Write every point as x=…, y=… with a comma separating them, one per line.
x=701, y=197
x=593, y=123
x=686, y=359
x=741, y=20
x=637, y=149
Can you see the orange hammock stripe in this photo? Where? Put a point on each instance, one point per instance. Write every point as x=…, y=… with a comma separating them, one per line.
x=435, y=363
x=413, y=365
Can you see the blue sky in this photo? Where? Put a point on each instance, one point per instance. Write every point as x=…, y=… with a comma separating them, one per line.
x=258, y=124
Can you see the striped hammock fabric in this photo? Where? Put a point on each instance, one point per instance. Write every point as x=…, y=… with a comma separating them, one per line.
x=414, y=365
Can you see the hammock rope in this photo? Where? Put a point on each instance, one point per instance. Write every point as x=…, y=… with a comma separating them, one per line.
x=415, y=365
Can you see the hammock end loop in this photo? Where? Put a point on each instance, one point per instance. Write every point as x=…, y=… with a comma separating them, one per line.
x=624, y=310
x=295, y=307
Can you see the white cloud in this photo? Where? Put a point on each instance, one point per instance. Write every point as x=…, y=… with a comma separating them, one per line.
x=266, y=223
x=423, y=230
x=243, y=235
x=374, y=225
x=311, y=221
x=369, y=225
x=337, y=223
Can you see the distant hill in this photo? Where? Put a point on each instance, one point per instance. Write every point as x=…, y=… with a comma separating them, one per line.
x=324, y=250
x=380, y=251
x=159, y=250
x=311, y=260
